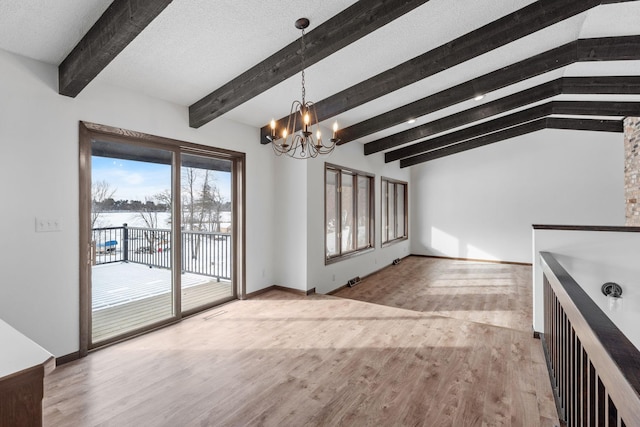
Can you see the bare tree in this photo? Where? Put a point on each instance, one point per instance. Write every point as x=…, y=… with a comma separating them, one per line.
x=100, y=192
x=189, y=180
x=217, y=202
x=201, y=205
x=149, y=214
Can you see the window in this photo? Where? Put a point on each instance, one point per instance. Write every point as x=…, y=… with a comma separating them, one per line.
x=348, y=212
x=394, y=210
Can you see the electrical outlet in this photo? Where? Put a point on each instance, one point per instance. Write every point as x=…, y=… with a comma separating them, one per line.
x=46, y=225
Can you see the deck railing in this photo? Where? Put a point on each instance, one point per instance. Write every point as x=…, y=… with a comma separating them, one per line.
x=594, y=368
x=205, y=253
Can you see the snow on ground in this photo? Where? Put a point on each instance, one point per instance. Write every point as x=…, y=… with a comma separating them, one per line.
x=134, y=219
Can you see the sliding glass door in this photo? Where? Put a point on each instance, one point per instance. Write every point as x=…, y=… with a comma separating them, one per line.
x=161, y=232
x=206, y=230
x=131, y=228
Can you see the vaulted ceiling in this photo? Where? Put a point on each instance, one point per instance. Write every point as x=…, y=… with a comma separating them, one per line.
x=372, y=65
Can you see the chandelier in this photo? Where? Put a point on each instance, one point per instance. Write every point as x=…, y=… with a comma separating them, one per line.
x=301, y=138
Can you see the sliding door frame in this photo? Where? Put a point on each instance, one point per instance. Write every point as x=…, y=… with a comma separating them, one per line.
x=89, y=132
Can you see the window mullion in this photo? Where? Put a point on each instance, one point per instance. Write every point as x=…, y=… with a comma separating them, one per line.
x=395, y=210
x=338, y=196
x=354, y=207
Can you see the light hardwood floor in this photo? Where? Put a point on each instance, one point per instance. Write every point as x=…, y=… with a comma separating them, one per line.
x=485, y=292
x=286, y=360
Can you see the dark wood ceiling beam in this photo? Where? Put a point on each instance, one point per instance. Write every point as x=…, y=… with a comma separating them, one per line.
x=564, y=85
x=531, y=67
x=520, y=99
x=596, y=108
x=608, y=49
x=507, y=29
x=605, y=49
x=523, y=129
x=604, y=125
x=512, y=132
x=603, y=85
x=353, y=23
x=113, y=31
x=586, y=108
x=495, y=125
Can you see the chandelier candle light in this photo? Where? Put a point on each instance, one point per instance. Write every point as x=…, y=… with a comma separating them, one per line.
x=297, y=139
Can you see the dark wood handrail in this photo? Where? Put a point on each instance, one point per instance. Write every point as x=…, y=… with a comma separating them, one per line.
x=614, y=357
x=614, y=228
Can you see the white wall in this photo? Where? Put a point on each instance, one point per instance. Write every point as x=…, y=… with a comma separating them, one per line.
x=39, y=177
x=486, y=199
x=290, y=242
x=481, y=203
x=593, y=258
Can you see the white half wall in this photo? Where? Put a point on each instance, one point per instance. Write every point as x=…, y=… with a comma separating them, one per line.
x=593, y=258
x=481, y=203
x=39, y=178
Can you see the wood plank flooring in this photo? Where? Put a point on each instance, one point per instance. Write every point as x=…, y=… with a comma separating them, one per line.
x=287, y=360
x=485, y=292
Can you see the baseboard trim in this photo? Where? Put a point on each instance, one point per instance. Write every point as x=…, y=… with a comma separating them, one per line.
x=67, y=358
x=281, y=288
x=475, y=260
x=295, y=291
x=259, y=292
x=365, y=276
x=336, y=290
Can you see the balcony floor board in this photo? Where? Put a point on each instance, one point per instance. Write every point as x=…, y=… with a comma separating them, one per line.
x=129, y=296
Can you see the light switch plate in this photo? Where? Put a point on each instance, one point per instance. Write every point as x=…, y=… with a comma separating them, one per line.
x=47, y=225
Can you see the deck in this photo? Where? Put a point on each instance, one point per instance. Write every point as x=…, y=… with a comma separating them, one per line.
x=128, y=296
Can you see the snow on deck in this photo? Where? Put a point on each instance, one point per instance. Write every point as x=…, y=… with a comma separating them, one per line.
x=123, y=282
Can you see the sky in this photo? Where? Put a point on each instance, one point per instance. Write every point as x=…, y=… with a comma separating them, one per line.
x=134, y=180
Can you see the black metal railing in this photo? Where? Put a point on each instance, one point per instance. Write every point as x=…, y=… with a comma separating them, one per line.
x=207, y=253
x=203, y=252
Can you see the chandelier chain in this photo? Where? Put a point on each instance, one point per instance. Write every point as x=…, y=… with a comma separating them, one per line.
x=302, y=56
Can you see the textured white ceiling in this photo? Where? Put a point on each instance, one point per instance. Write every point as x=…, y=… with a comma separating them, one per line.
x=46, y=30
x=195, y=46
x=429, y=26
x=617, y=19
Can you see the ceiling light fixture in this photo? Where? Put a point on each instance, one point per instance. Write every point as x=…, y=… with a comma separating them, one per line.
x=297, y=139
x=411, y=121
x=478, y=97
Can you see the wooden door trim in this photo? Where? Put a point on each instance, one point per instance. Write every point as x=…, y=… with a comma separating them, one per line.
x=92, y=131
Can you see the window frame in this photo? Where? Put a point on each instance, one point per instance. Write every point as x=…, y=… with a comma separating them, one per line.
x=337, y=195
x=385, y=205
